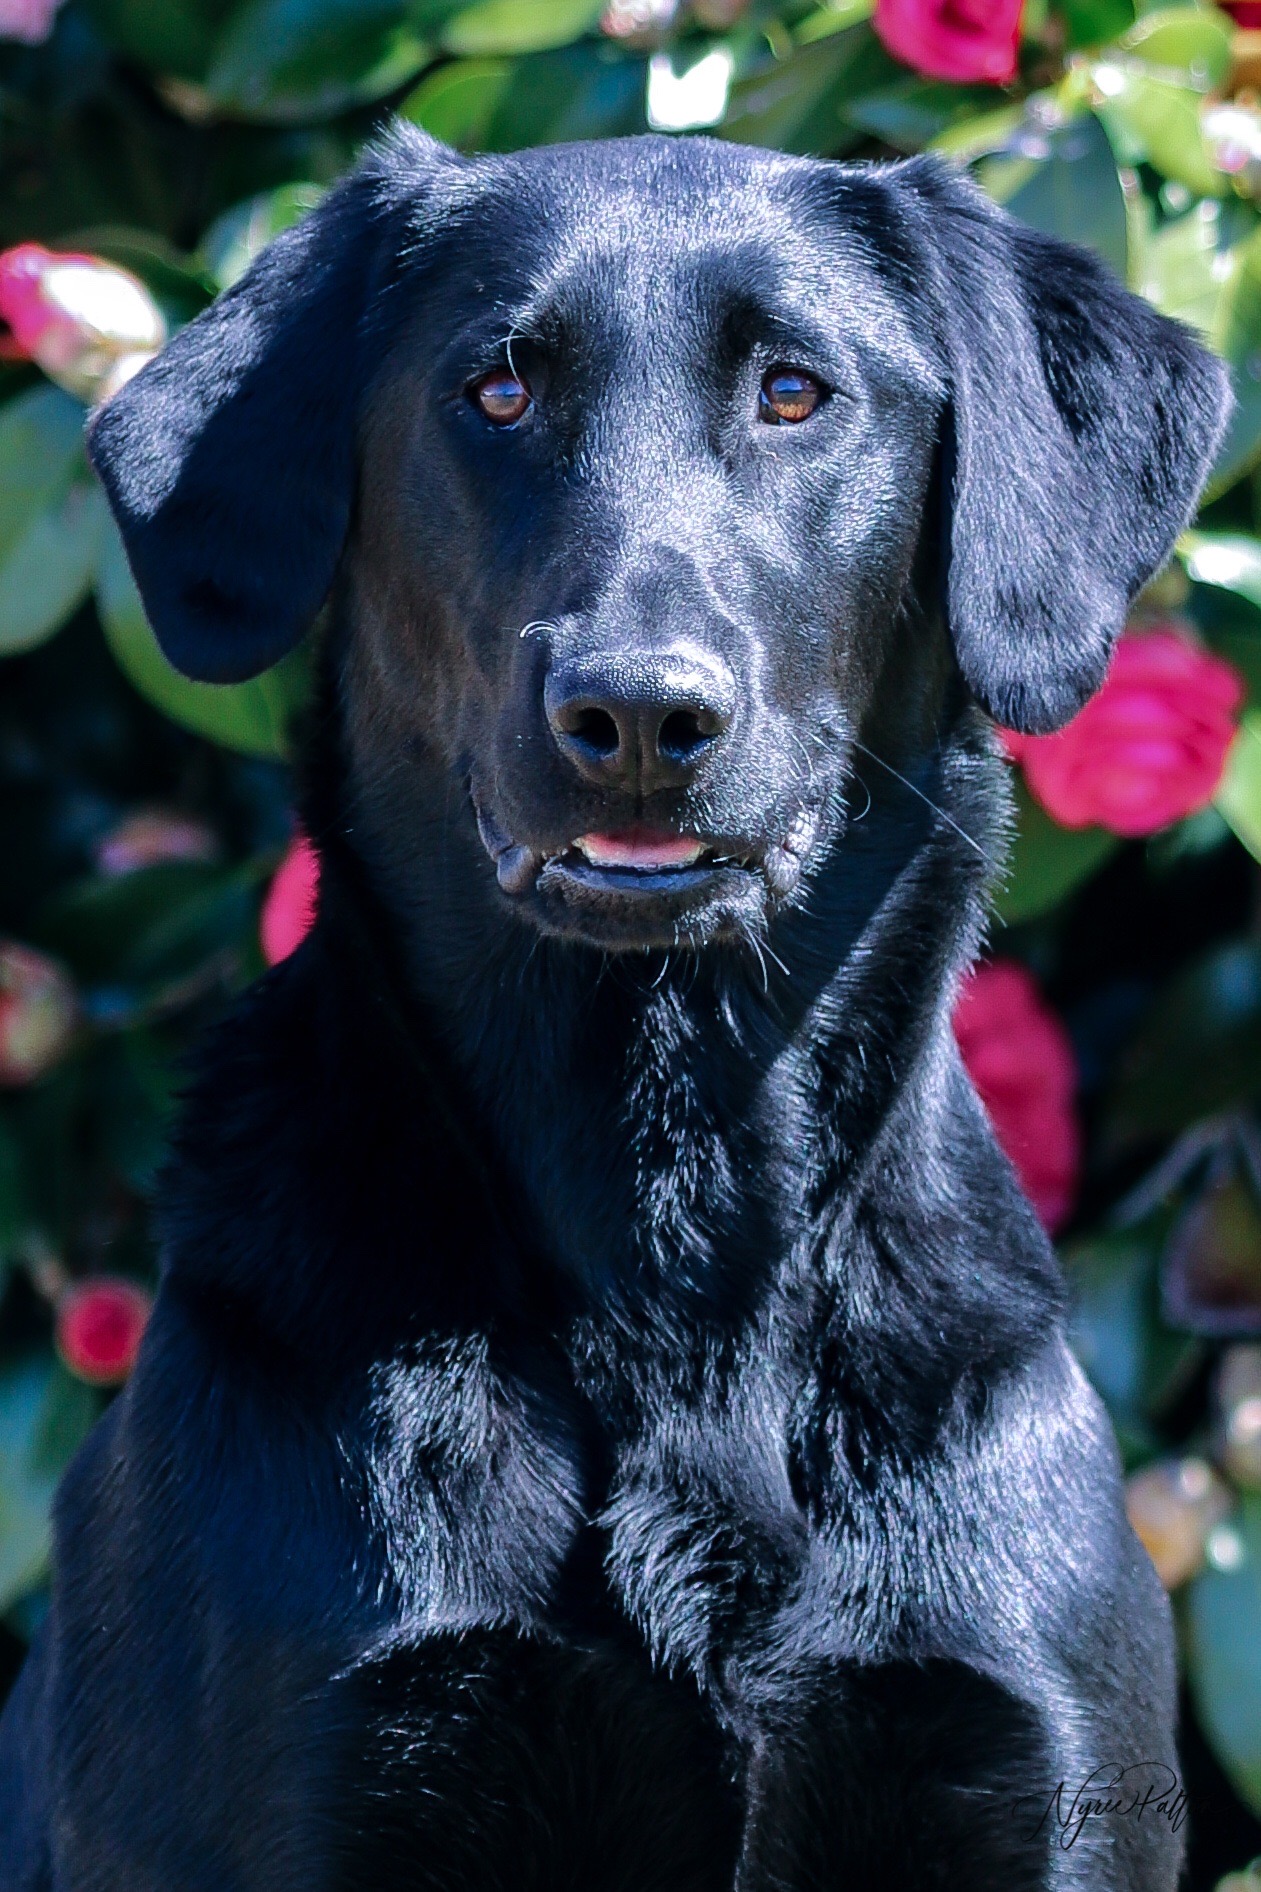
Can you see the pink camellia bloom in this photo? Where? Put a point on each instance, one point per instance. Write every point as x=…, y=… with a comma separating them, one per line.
x=27, y=20
x=1148, y=749
x=88, y=324
x=289, y=908
x=100, y=1324
x=1019, y=1057
x=38, y=1013
x=963, y=40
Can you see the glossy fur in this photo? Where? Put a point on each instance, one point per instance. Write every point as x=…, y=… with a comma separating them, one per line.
x=607, y=1424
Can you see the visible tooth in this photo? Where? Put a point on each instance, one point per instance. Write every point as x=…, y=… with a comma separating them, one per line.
x=782, y=870
x=517, y=868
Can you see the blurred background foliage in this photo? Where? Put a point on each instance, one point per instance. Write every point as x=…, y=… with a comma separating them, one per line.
x=142, y=816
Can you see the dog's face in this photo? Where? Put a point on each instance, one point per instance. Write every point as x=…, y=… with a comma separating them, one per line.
x=640, y=491
x=640, y=465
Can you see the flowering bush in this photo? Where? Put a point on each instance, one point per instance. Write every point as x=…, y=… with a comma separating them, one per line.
x=1149, y=749
x=152, y=148
x=1019, y=1057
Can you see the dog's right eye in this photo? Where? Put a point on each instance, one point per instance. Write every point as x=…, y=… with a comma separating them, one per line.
x=502, y=396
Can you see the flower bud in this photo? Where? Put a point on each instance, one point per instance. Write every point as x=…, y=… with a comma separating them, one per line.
x=100, y=1323
x=1237, y=1398
x=87, y=323
x=1174, y=1506
x=37, y=1013
x=289, y=907
x=30, y=21
x=151, y=836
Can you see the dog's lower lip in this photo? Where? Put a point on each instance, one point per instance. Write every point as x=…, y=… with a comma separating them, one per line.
x=644, y=853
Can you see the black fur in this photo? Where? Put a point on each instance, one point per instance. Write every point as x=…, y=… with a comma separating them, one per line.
x=606, y=1421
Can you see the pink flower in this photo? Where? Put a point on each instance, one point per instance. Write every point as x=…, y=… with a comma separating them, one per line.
x=1243, y=12
x=1148, y=749
x=289, y=908
x=100, y=1323
x=37, y=1013
x=953, y=39
x=152, y=835
x=27, y=20
x=1019, y=1057
x=88, y=324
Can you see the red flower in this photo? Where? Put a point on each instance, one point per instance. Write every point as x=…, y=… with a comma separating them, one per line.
x=1018, y=1055
x=1148, y=749
x=37, y=1013
x=99, y=1327
x=88, y=324
x=953, y=39
x=289, y=908
x=1243, y=12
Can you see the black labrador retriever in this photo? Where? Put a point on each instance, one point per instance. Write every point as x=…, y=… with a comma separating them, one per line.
x=606, y=1425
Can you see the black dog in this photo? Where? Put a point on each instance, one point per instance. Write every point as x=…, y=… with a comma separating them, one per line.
x=607, y=1425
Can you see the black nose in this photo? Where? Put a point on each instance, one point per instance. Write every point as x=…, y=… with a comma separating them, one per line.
x=639, y=719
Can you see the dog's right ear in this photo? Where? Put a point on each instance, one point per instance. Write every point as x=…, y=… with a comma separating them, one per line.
x=229, y=459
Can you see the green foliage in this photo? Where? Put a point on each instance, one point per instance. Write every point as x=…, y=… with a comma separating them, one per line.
x=176, y=138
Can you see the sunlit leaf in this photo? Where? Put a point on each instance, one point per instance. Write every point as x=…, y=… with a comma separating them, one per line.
x=1191, y=40
x=1224, y=1648
x=1159, y=120
x=254, y=717
x=1238, y=796
x=519, y=26
x=457, y=103
x=235, y=239
x=1064, y=180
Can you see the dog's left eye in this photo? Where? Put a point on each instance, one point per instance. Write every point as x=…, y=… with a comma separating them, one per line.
x=788, y=395
x=502, y=396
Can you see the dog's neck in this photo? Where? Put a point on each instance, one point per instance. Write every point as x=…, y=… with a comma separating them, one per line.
x=680, y=1121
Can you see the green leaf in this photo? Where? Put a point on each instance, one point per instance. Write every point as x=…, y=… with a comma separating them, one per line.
x=458, y=102
x=798, y=104
x=1190, y=40
x=1095, y=22
x=1182, y=273
x=1047, y=862
x=1236, y=335
x=1159, y=120
x=519, y=26
x=289, y=59
x=157, y=922
x=41, y=451
x=1133, y=1362
x=253, y=717
x=1231, y=560
x=170, y=36
x=1064, y=181
x=44, y=1417
x=1197, y=1052
x=912, y=112
x=1224, y=1649
x=1238, y=795
x=591, y=90
x=832, y=18
x=47, y=573
x=235, y=239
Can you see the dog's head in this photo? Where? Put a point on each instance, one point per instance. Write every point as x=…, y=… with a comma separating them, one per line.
x=636, y=467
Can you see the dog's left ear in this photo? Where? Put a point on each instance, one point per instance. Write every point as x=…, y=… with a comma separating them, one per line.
x=229, y=459
x=1081, y=426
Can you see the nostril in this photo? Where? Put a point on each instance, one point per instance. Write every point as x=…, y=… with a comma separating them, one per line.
x=595, y=728
x=681, y=734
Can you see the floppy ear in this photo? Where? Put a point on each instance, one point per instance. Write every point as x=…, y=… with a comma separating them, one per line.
x=229, y=459
x=1081, y=427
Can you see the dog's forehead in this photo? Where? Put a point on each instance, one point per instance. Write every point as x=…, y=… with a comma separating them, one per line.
x=650, y=238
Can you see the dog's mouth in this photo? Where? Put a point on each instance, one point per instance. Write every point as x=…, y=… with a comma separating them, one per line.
x=641, y=884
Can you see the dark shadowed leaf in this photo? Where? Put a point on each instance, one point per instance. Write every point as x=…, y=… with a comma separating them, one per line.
x=44, y=1416
x=1197, y=1052
x=1211, y=1267
x=291, y=59
x=1047, y=861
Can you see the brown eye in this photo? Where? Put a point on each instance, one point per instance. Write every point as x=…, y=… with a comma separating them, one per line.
x=789, y=394
x=502, y=397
